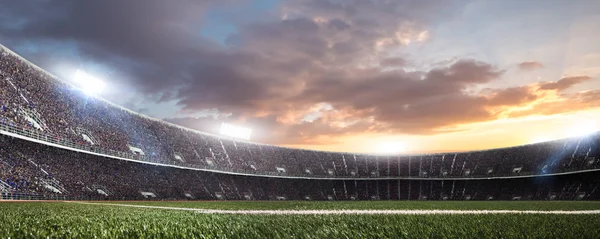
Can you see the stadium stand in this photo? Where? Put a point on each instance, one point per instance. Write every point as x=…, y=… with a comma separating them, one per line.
x=85, y=147
x=30, y=168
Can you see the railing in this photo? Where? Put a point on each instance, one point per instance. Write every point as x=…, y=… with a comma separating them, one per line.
x=32, y=196
x=54, y=183
x=95, y=187
x=4, y=186
x=34, y=134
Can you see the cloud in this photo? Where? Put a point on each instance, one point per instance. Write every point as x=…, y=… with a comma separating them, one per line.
x=564, y=83
x=393, y=62
x=407, y=102
x=561, y=104
x=270, y=130
x=274, y=73
x=387, y=101
x=147, y=41
x=530, y=65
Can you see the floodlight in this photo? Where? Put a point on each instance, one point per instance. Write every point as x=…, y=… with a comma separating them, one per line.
x=89, y=84
x=235, y=131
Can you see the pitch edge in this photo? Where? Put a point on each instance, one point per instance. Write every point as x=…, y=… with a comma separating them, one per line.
x=349, y=212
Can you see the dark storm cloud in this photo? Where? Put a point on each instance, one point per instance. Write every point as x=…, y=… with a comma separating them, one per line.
x=150, y=40
x=157, y=47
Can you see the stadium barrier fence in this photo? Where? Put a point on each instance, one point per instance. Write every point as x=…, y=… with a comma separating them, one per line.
x=13, y=196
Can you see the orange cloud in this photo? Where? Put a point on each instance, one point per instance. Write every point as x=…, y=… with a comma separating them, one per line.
x=564, y=83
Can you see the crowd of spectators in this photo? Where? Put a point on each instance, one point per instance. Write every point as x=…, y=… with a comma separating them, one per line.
x=33, y=101
x=17, y=172
x=28, y=166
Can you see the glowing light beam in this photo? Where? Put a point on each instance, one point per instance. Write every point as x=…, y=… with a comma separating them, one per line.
x=89, y=84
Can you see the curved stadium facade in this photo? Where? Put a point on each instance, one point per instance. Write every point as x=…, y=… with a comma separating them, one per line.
x=57, y=142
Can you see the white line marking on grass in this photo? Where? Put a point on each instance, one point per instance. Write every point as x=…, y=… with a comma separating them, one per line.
x=349, y=212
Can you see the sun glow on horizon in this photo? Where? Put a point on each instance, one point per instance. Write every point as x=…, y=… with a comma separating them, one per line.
x=582, y=129
x=541, y=139
x=391, y=148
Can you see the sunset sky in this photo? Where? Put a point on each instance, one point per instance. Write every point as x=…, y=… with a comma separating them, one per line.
x=337, y=75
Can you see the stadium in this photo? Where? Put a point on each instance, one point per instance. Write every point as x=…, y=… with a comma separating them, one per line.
x=101, y=136
x=111, y=154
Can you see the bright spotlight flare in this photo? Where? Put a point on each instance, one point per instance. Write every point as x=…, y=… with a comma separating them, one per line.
x=235, y=131
x=89, y=84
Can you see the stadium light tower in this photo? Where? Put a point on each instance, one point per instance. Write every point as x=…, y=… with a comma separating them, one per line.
x=235, y=131
x=89, y=84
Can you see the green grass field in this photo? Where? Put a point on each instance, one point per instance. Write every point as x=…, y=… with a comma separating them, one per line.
x=72, y=220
